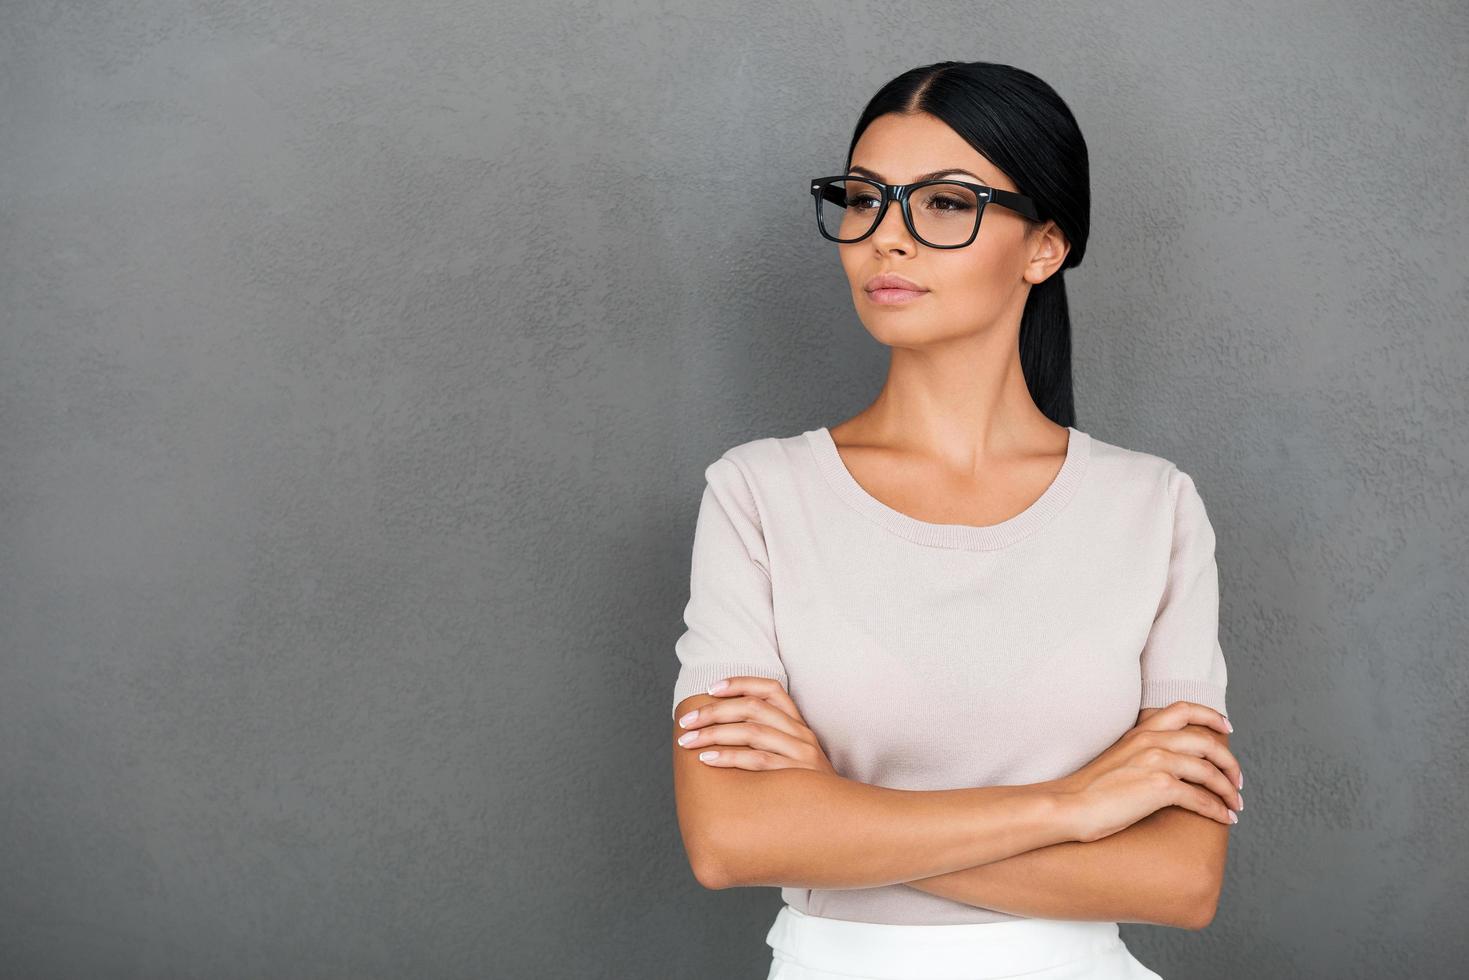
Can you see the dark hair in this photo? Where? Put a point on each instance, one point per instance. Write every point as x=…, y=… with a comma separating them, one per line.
x=1022, y=126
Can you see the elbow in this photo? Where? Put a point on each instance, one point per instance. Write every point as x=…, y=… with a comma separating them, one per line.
x=707, y=866
x=711, y=864
x=720, y=868
x=1202, y=882
x=709, y=874
x=1203, y=914
x=1200, y=914
x=1201, y=911
x=735, y=833
x=733, y=866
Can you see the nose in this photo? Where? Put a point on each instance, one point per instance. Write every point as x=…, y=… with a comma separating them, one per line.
x=892, y=233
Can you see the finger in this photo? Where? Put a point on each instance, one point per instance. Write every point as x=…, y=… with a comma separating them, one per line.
x=1181, y=713
x=745, y=708
x=1206, y=746
x=748, y=707
x=1208, y=775
x=1191, y=797
x=752, y=759
x=746, y=734
x=768, y=688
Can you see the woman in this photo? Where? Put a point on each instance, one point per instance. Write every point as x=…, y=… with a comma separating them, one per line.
x=951, y=677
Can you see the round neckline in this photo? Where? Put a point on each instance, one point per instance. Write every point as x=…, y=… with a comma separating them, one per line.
x=966, y=536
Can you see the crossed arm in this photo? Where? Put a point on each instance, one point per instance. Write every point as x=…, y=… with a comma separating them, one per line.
x=1166, y=869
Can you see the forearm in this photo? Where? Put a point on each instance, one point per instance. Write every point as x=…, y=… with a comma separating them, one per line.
x=805, y=829
x=1148, y=872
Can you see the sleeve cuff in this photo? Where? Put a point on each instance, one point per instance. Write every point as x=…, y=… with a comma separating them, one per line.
x=1161, y=693
x=696, y=678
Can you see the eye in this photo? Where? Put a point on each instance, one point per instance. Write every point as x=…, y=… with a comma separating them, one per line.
x=942, y=202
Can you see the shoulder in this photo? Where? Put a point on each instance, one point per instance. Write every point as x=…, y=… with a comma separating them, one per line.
x=1151, y=491
x=759, y=462
x=1138, y=475
x=751, y=478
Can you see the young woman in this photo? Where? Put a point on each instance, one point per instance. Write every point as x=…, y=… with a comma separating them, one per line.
x=951, y=677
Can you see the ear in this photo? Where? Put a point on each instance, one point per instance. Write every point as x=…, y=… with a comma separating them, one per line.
x=1048, y=250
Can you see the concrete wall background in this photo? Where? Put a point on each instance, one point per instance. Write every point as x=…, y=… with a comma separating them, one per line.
x=359, y=364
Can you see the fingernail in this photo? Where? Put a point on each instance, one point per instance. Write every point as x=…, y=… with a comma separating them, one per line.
x=1241, y=800
x=706, y=756
x=1233, y=817
x=688, y=719
x=1228, y=724
x=718, y=686
x=1241, y=780
x=687, y=737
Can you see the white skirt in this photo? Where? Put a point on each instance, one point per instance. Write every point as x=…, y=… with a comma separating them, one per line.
x=809, y=947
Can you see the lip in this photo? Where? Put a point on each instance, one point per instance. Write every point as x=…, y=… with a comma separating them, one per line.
x=888, y=297
x=888, y=289
x=890, y=280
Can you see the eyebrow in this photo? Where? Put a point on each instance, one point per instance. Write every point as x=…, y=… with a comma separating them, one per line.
x=931, y=175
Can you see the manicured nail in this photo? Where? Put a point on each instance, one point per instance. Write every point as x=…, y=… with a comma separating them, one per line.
x=1228, y=724
x=706, y=756
x=1241, y=800
x=1241, y=780
x=718, y=686
x=688, y=719
x=687, y=737
x=1233, y=817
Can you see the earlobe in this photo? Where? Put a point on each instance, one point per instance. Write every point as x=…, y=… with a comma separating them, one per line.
x=1044, y=266
x=1053, y=251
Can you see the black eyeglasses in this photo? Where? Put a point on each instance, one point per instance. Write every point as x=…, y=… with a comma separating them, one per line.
x=848, y=209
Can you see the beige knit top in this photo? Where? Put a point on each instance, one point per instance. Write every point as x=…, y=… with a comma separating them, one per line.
x=935, y=656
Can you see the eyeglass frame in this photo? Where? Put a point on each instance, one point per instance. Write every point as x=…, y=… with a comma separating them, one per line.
x=901, y=192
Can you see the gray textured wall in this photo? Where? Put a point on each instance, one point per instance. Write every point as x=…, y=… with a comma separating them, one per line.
x=358, y=369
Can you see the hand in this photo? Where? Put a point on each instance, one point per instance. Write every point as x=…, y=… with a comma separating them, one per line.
x=1165, y=760
x=757, y=726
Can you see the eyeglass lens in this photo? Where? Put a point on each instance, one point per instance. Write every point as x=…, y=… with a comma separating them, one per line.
x=943, y=213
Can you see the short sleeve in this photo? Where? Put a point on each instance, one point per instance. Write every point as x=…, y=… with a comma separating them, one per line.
x=1182, y=659
x=729, y=617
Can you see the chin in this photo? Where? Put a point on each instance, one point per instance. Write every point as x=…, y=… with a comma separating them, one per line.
x=894, y=330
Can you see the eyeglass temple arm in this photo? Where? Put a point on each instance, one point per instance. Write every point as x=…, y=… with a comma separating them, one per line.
x=830, y=193
x=1015, y=202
